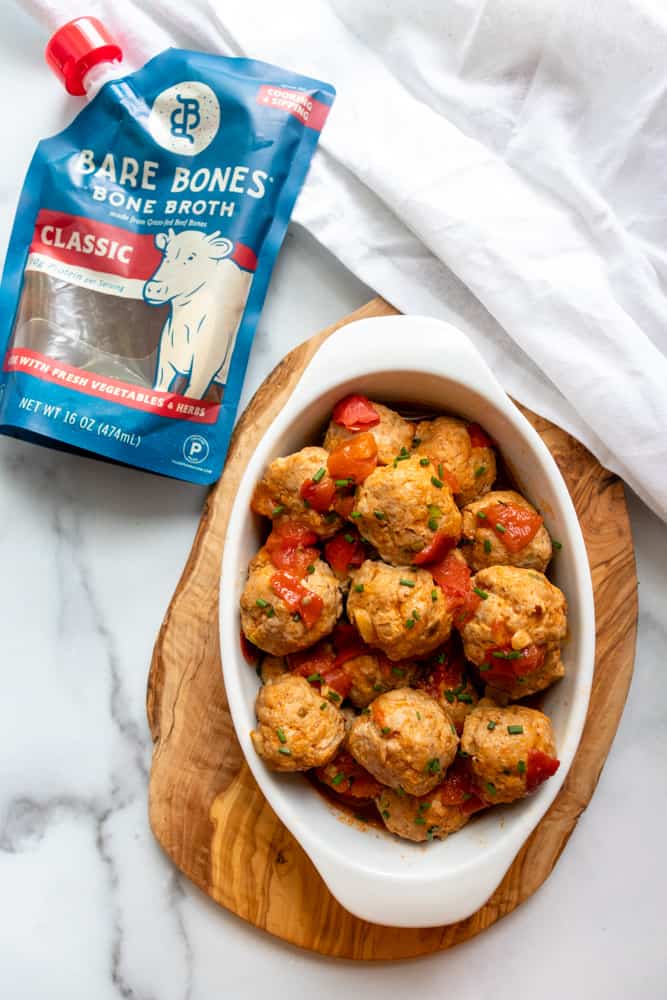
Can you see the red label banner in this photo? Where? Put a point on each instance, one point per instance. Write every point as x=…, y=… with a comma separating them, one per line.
x=310, y=112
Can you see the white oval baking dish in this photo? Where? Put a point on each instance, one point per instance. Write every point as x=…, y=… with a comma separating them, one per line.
x=402, y=359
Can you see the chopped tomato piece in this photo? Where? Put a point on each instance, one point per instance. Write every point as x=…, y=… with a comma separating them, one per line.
x=503, y=664
x=319, y=495
x=249, y=650
x=540, y=767
x=297, y=597
x=446, y=672
x=438, y=548
x=344, y=635
x=453, y=577
x=290, y=547
x=478, y=437
x=346, y=777
x=341, y=553
x=356, y=413
x=449, y=478
x=336, y=678
x=457, y=783
x=315, y=660
x=354, y=459
x=344, y=505
x=514, y=526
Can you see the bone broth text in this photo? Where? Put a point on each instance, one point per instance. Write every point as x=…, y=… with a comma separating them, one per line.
x=142, y=250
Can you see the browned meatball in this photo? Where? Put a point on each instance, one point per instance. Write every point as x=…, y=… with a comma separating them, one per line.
x=419, y=818
x=399, y=510
x=398, y=610
x=296, y=729
x=405, y=740
x=271, y=624
x=446, y=440
x=501, y=743
x=277, y=493
x=372, y=673
x=393, y=435
x=519, y=623
x=487, y=547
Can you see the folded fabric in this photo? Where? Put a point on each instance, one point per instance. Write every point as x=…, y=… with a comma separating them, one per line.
x=498, y=165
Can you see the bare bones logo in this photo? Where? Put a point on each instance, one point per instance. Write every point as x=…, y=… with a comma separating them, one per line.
x=185, y=118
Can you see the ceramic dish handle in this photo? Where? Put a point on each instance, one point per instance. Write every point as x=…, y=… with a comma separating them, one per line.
x=379, y=343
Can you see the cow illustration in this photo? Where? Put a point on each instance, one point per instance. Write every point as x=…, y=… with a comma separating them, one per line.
x=207, y=294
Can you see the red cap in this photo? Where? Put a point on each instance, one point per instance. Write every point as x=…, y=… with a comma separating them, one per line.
x=76, y=48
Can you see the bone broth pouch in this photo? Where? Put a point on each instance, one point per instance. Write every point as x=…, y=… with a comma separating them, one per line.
x=142, y=250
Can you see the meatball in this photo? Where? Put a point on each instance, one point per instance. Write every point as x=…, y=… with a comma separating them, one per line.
x=503, y=745
x=515, y=632
x=277, y=493
x=372, y=673
x=405, y=740
x=419, y=818
x=487, y=546
x=446, y=441
x=398, y=610
x=393, y=435
x=400, y=510
x=294, y=731
x=274, y=626
x=272, y=667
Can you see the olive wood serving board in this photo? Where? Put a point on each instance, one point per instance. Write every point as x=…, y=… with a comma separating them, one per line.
x=207, y=811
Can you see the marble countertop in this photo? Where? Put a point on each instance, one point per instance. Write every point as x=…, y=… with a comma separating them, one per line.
x=90, y=907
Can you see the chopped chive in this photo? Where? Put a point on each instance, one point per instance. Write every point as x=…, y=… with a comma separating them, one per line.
x=480, y=471
x=378, y=687
x=424, y=461
x=320, y=474
x=499, y=527
x=556, y=545
x=349, y=539
x=323, y=706
x=420, y=820
x=416, y=442
x=449, y=695
x=484, y=667
x=441, y=473
x=462, y=753
x=281, y=736
x=440, y=658
x=436, y=482
x=481, y=514
x=398, y=671
x=406, y=583
x=515, y=730
x=410, y=623
x=521, y=767
x=379, y=514
x=342, y=482
x=359, y=588
x=424, y=806
x=480, y=593
x=453, y=728
x=458, y=689
x=386, y=813
x=419, y=716
x=487, y=545
x=433, y=524
x=404, y=451
x=355, y=514
x=415, y=615
x=491, y=725
x=502, y=655
x=314, y=677
x=261, y=603
x=465, y=698
x=278, y=510
x=385, y=730
x=434, y=594
x=271, y=613
x=333, y=696
x=366, y=711
x=434, y=510
x=490, y=787
x=400, y=458
x=331, y=516
x=310, y=568
x=433, y=766
x=337, y=778
x=400, y=791
x=285, y=751
x=430, y=833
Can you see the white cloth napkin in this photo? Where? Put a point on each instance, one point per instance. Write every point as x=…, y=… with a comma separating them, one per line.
x=497, y=163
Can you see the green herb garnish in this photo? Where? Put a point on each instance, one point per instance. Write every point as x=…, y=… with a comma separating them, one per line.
x=480, y=593
x=434, y=594
x=338, y=778
x=320, y=474
x=436, y=482
x=385, y=730
x=487, y=545
x=261, y=603
x=323, y=706
x=556, y=545
x=424, y=461
x=490, y=787
x=310, y=568
x=499, y=528
x=406, y=583
x=314, y=677
x=339, y=483
x=481, y=514
x=278, y=510
x=410, y=623
x=359, y=588
x=281, y=736
x=398, y=671
x=285, y=751
x=449, y=695
x=333, y=696
x=355, y=514
x=491, y=725
x=515, y=730
x=521, y=767
x=380, y=515
x=433, y=766
x=480, y=471
x=433, y=524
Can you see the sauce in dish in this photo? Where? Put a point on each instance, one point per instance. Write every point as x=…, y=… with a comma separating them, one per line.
x=402, y=621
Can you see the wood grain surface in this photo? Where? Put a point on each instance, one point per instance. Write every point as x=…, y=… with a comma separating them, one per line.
x=206, y=809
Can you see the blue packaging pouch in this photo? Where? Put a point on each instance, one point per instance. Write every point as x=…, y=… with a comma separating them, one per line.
x=140, y=257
